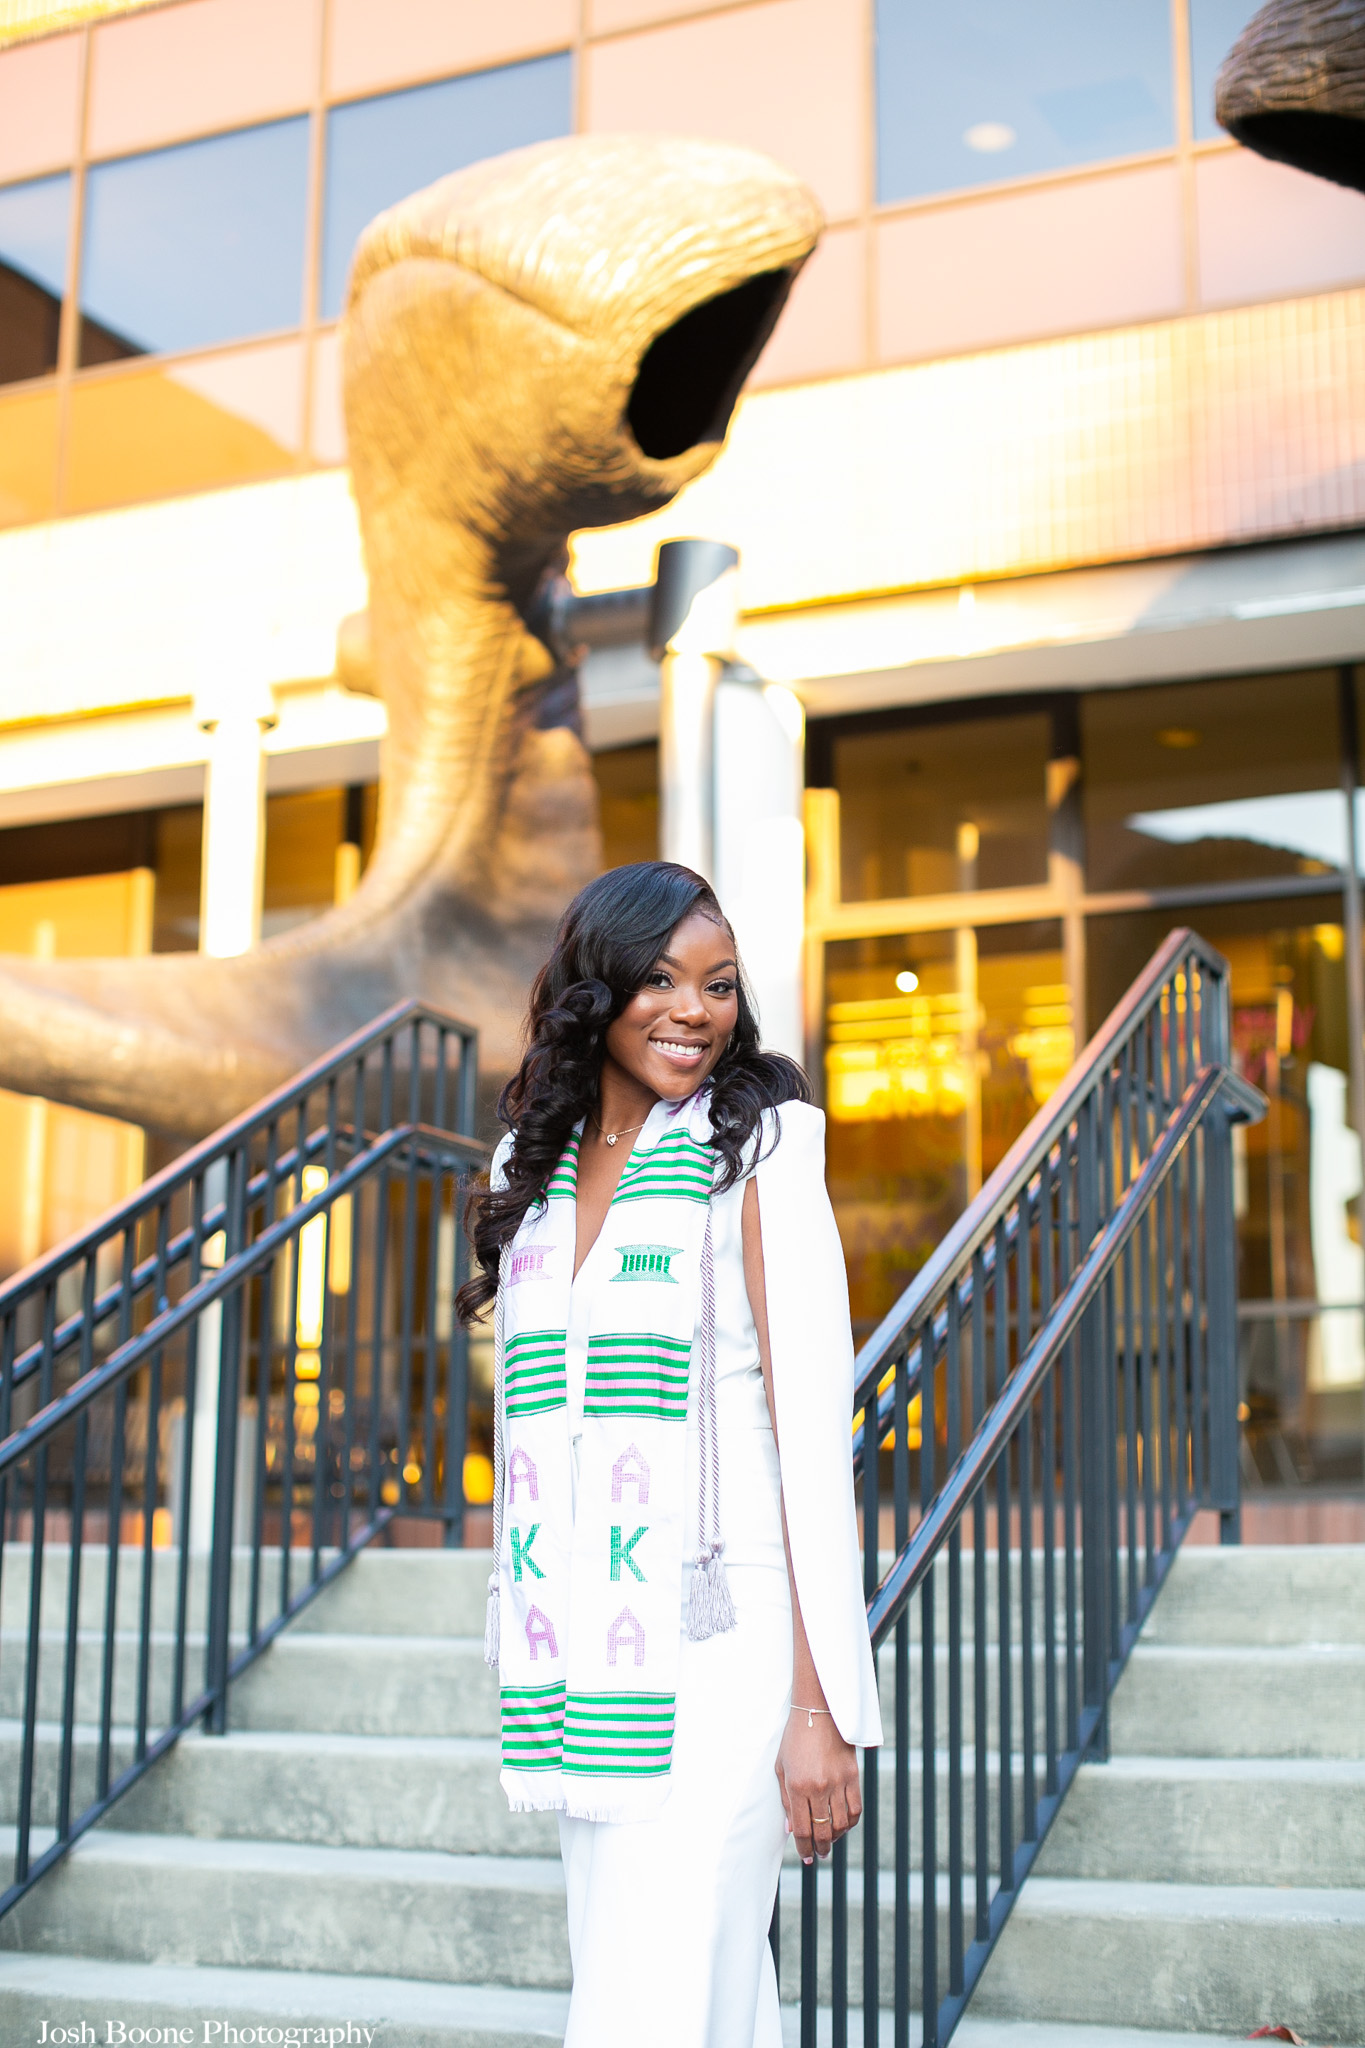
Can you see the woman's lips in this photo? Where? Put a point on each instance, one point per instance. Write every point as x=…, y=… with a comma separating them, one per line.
x=684, y=1052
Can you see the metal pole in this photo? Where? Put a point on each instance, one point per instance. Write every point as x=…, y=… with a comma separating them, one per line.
x=692, y=635
x=1355, y=939
x=1066, y=852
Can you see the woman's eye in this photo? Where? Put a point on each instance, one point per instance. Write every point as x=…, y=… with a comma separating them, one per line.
x=720, y=988
x=659, y=979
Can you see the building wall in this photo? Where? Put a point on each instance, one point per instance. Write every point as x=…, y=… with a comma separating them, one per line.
x=932, y=249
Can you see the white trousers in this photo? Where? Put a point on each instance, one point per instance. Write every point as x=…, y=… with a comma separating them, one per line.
x=668, y=1918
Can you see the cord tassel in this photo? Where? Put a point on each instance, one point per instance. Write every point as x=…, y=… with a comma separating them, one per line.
x=492, y=1619
x=710, y=1604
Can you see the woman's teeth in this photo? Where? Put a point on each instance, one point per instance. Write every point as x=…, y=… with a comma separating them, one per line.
x=678, y=1049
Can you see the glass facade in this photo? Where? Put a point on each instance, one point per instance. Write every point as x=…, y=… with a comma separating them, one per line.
x=201, y=245
x=1199, y=782
x=628, y=802
x=205, y=242
x=34, y=236
x=943, y=806
x=939, y=1047
x=1215, y=804
x=988, y=89
x=195, y=245
x=1214, y=27
x=159, y=429
x=379, y=150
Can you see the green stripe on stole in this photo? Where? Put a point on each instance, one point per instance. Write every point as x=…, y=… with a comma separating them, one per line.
x=533, y=1727
x=619, y=1734
x=533, y=1372
x=633, y=1373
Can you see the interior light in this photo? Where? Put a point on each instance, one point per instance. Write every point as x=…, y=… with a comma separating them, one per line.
x=907, y=981
x=1179, y=737
x=990, y=137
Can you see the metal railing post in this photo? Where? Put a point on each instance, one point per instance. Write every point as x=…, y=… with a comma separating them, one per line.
x=1095, y=1434
x=225, y=1472
x=1220, y=1240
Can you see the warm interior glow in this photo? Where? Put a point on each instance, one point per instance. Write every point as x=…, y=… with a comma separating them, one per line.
x=312, y=1271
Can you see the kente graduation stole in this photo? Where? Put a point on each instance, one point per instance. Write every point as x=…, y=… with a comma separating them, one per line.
x=589, y=1566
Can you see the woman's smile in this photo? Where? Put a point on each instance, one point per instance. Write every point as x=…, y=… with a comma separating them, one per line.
x=685, y=1051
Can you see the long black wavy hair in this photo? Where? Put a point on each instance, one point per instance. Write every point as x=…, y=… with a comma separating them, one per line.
x=609, y=938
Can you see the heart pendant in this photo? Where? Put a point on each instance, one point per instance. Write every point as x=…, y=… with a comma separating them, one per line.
x=610, y=1137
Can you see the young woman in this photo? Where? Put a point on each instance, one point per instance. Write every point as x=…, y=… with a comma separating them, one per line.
x=676, y=1605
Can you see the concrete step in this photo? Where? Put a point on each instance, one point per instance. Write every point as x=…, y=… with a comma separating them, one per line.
x=439, y=1685
x=1209, y=1956
x=15, y=1585
x=364, y=2012
x=1267, y=1594
x=1104, y=1953
x=405, y=1592
x=352, y=1791
x=1213, y=1820
x=66, y=1991
x=369, y=1685
x=1276, y=1595
x=1303, y=1700
x=89, y=1687
x=1179, y=1957
x=1286, y=1821
x=362, y=1912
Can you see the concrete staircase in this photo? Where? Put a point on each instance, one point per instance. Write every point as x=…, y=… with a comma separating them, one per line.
x=343, y=1860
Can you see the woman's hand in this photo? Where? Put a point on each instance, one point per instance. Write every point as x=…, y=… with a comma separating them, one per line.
x=818, y=1773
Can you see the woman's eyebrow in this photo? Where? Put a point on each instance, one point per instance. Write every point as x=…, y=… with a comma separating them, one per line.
x=667, y=960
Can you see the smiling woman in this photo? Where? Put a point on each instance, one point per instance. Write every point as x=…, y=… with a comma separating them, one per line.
x=670, y=1303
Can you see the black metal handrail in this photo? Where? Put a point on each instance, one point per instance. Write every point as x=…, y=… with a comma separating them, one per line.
x=1056, y=1396
x=254, y=1363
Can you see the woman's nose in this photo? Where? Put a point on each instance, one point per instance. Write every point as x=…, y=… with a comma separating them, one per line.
x=688, y=1007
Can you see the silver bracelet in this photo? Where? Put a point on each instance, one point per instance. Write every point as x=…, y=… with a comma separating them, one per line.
x=811, y=1712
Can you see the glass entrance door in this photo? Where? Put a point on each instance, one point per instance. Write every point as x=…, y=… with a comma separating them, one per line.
x=939, y=1047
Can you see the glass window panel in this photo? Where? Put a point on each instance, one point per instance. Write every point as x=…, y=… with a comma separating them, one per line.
x=151, y=433
x=380, y=150
x=194, y=245
x=628, y=798
x=1205, y=782
x=28, y=456
x=179, y=850
x=939, y=1047
x=1296, y=1174
x=303, y=829
x=989, y=89
x=1214, y=27
x=34, y=230
x=925, y=809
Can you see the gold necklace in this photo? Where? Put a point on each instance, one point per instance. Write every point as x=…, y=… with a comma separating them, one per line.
x=612, y=1136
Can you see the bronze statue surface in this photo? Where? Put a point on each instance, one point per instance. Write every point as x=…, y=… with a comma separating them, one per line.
x=553, y=339
x=1292, y=87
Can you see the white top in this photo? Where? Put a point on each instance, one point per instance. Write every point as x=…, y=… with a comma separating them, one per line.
x=812, y=1358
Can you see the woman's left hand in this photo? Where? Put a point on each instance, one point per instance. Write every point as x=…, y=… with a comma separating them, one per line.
x=818, y=1773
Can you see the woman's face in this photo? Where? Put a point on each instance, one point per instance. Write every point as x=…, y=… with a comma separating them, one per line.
x=673, y=1031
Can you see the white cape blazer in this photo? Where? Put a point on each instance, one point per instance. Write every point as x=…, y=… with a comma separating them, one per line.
x=811, y=1344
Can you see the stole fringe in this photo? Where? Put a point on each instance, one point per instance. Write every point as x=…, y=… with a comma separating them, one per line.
x=527, y=1799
